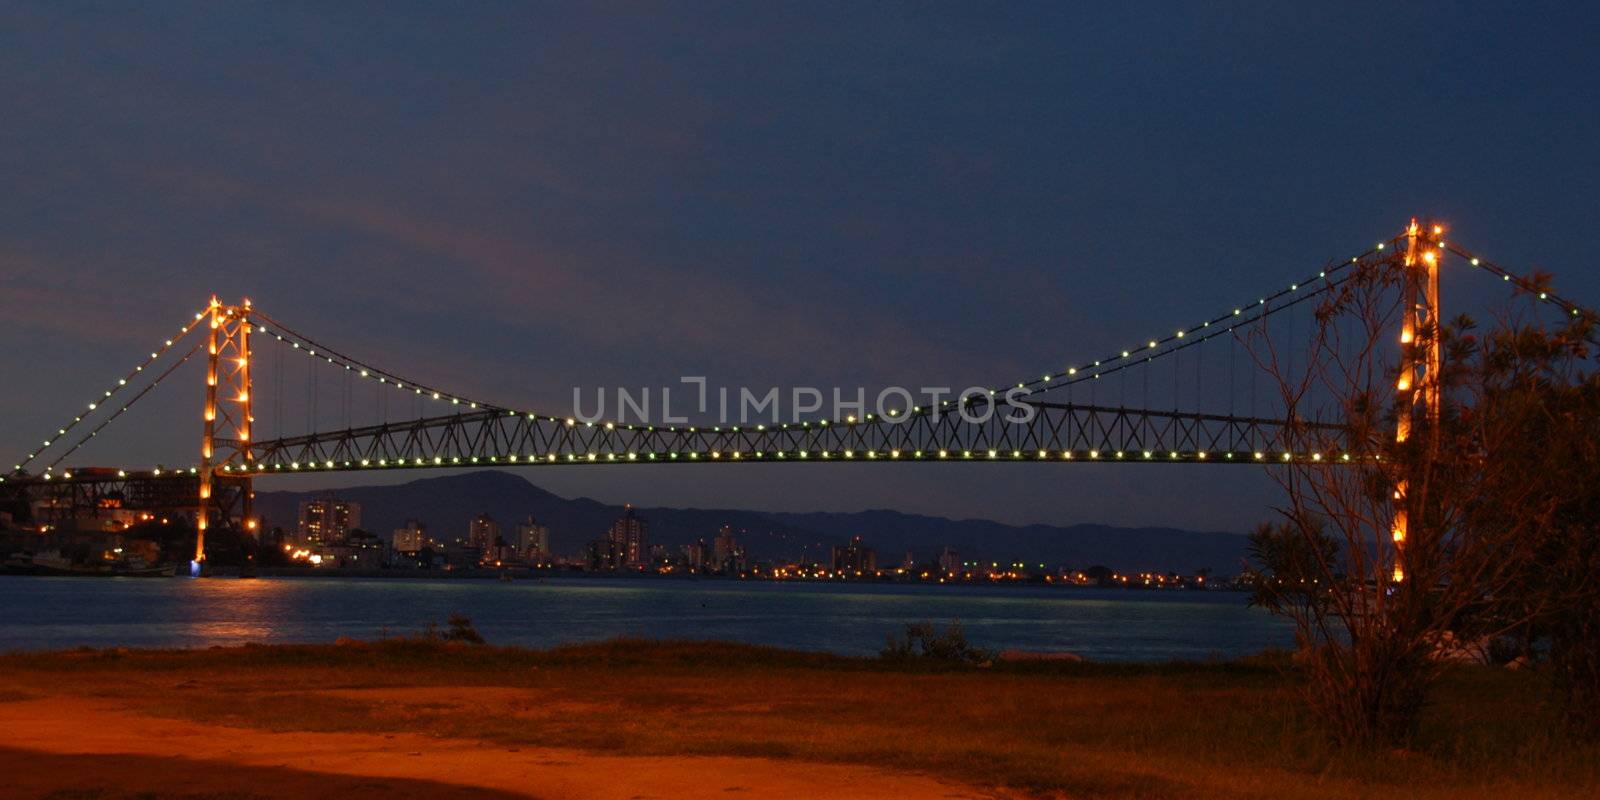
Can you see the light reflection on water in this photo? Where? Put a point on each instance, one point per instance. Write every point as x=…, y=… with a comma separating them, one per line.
x=50, y=613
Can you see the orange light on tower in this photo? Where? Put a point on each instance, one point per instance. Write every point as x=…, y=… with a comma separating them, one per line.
x=225, y=443
x=1418, y=381
x=1398, y=528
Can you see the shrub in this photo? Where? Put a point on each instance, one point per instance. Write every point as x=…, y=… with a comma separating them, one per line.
x=923, y=642
x=461, y=630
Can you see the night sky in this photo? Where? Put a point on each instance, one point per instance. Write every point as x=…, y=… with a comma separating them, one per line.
x=510, y=200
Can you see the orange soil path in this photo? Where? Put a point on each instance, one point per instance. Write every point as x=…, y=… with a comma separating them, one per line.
x=77, y=744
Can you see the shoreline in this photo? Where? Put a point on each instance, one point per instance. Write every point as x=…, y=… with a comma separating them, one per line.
x=520, y=576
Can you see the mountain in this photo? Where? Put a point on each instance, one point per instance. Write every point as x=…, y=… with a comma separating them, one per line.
x=446, y=503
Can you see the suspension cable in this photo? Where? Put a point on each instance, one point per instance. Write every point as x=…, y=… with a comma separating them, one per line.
x=1184, y=337
x=110, y=393
x=1155, y=349
x=1545, y=295
x=1264, y=309
x=119, y=412
x=315, y=349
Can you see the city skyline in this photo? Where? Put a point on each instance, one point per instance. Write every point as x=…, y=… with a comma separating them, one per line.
x=324, y=538
x=447, y=507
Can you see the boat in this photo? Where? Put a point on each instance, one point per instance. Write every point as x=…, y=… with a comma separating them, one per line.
x=53, y=563
x=17, y=564
x=138, y=568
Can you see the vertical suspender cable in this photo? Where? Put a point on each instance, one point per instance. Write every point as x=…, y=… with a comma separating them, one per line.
x=311, y=396
x=1177, y=367
x=1232, y=353
x=277, y=393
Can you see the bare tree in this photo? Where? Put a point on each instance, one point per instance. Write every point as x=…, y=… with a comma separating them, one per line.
x=1375, y=604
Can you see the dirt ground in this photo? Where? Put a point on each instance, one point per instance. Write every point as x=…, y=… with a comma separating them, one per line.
x=643, y=719
x=75, y=747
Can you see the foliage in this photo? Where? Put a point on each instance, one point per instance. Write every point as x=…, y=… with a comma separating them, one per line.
x=461, y=630
x=923, y=642
x=1532, y=389
x=1499, y=515
x=1291, y=562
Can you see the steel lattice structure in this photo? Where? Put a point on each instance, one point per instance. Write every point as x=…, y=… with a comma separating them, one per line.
x=1056, y=431
x=1060, y=432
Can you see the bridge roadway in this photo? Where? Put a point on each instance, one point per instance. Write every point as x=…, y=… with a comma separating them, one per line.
x=1056, y=432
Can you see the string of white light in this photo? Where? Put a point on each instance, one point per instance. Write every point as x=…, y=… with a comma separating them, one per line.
x=120, y=411
x=1532, y=288
x=1182, y=338
x=108, y=394
x=1152, y=349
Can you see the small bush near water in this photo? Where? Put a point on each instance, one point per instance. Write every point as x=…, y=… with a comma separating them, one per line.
x=923, y=642
x=460, y=630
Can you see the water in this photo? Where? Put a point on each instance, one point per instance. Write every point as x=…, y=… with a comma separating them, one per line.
x=50, y=613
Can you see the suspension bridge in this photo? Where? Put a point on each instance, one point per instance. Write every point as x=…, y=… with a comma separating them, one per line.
x=1099, y=410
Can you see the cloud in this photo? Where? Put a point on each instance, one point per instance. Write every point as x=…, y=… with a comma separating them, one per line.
x=630, y=298
x=63, y=300
x=603, y=296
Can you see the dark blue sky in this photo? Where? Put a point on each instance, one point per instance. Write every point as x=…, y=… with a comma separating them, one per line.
x=511, y=200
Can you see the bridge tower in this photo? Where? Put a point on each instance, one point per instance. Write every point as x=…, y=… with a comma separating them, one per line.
x=1417, y=387
x=226, y=456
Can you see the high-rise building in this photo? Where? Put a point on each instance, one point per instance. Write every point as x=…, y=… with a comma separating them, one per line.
x=630, y=534
x=855, y=557
x=482, y=532
x=327, y=520
x=697, y=555
x=726, y=554
x=604, y=554
x=360, y=549
x=949, y=560
x=410, y=539
x=533, y=541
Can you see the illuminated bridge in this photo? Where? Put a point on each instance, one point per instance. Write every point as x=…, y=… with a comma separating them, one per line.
x=1239, y=386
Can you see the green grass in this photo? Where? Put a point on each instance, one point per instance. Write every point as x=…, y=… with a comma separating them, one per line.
x=1170, y=730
